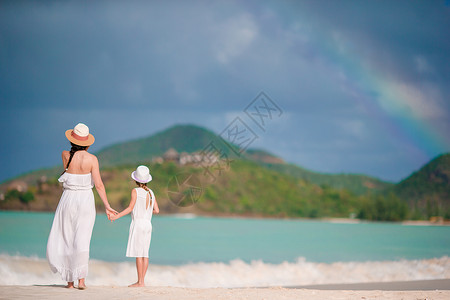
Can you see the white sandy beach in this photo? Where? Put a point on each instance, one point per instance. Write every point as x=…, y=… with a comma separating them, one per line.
x=115, y=292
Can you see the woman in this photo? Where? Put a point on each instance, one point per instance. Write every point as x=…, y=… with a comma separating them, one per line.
x=70, y=236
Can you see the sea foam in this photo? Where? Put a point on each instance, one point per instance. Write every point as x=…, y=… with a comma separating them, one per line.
x=18, y=270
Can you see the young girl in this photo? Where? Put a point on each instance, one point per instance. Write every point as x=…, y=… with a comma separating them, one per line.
x=142, y=206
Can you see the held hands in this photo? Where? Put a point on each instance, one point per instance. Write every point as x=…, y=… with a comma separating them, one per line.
x=110, y=212
x=113, y=217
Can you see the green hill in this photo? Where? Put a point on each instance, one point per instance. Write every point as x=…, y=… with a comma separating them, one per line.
x=258, y=183
x=182, y=138
x=357, y=184
x=245, y=189
x=190, y=138
x=427, y=191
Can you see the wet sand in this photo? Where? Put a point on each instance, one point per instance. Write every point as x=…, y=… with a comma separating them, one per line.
x=418, y=285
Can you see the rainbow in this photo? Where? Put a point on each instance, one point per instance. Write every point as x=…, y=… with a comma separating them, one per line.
x=405, y=111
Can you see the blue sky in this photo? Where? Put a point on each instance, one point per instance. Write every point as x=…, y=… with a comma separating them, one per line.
x=363, y=85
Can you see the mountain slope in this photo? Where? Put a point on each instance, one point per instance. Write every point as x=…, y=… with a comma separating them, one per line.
x=183, y=138
x=190, y=138
x=246, y=188
x=356, y=183
x=258, y=183
x=427, y=191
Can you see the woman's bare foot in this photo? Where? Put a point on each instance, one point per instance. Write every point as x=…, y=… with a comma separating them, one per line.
x=81, y=284
x=137, y=284
x=70, y=285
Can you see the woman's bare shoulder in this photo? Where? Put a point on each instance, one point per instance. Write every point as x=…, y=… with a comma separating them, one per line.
x=92, y=159
x=90, y=156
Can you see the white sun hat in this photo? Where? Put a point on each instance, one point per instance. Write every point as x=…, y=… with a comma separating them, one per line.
x=142, y=174
x=80, y=135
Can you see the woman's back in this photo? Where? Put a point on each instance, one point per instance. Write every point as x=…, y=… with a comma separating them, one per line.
x=81, y=162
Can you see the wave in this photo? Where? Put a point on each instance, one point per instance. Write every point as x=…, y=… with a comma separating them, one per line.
x=19, y=270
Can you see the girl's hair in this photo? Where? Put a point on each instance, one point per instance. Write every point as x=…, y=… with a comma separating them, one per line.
x=74, y=149
x=143, y=185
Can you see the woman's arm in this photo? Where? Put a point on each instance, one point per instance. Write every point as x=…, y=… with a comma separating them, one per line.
x=64, y=159
x=127, y=210
x=100, y=187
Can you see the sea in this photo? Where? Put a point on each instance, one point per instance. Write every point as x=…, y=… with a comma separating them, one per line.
x=204, y=252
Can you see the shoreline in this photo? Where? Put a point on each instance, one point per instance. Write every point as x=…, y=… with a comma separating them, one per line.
x=379, y=275
x=409, y=285
x=426, y=289
x=189, y=215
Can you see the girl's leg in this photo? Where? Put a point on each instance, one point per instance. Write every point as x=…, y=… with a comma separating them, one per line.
x=70, y=285
x=139, y=266
x=139, y=270
x=144, y=268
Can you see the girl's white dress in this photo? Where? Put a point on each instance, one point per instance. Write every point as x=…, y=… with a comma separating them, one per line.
x=141, y=225
x=70, y=236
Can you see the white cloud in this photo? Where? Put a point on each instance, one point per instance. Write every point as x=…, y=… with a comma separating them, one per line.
x=234, y=37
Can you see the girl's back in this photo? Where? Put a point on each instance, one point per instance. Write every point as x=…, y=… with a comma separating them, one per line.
x=141, y=226
x=143, y=209
x=141, y=206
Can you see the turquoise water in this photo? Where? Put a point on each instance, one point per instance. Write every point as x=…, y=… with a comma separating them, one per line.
x=178, y=241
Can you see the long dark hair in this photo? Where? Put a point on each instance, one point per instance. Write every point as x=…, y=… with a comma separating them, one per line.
x=74, y=149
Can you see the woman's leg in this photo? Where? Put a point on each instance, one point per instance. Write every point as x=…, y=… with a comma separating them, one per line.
x=69, y=285
x=81, y=284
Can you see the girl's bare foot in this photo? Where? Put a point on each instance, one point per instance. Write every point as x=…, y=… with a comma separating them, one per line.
x=137, y=284
x=70, y=285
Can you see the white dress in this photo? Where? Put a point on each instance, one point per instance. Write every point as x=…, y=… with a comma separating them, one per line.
x=70, y=236
x=141, y=225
